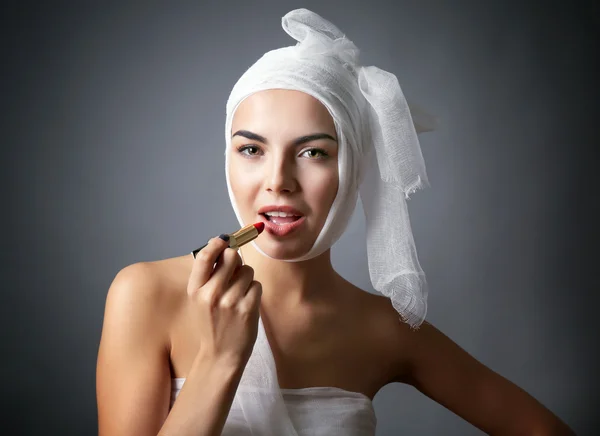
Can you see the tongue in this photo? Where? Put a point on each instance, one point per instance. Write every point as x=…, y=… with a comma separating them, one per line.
x=283, y=220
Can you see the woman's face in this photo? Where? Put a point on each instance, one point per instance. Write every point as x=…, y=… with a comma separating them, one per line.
x=283, y=158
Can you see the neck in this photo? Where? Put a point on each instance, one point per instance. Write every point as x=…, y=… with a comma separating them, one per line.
x=289, y=284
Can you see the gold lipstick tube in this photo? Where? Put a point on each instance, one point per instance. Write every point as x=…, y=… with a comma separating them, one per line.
x=243, y=236
x=240, y=238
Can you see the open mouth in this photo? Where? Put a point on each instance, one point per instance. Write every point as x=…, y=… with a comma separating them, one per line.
x=282, y=224
x=280, y=218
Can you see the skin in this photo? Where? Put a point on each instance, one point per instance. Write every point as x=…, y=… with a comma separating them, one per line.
x=323, y=330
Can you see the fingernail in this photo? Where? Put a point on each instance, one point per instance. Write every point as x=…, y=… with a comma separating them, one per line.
x=224, y=237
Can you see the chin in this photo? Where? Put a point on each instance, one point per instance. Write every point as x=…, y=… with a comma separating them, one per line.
x=283, y=250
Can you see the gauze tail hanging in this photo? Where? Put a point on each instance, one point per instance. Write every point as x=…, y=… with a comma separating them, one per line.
x=379, y=156
x=258, y=393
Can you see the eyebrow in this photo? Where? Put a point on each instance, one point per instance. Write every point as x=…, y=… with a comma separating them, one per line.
x=298, y=141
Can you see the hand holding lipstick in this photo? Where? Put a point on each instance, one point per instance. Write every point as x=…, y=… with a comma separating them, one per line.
x=241, y=237
x=227, y=299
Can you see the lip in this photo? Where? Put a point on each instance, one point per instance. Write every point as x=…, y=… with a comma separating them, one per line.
x=281, y=229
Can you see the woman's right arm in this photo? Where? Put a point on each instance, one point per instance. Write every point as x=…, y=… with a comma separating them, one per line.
x=133, y=373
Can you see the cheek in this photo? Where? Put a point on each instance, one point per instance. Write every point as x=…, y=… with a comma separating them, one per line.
x=332, y=186
x=242, y=168
x=236, y=180
x=321, y=185
x=243, y=179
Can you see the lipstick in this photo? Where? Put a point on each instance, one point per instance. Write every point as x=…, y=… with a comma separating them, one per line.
x=241, y=237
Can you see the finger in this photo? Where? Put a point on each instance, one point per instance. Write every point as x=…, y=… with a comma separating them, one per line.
x=205, y=261
x=251, y=301
x=238, y=286
x=226, y=266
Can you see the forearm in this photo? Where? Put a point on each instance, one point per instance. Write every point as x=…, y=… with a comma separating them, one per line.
x=204, y=401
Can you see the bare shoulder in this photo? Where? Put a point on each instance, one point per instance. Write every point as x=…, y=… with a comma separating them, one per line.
x=405, y=349
x=149, y=287
x=392, y=336
x=382, y=335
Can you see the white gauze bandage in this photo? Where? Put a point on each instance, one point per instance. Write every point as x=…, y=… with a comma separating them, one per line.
x=378, y=156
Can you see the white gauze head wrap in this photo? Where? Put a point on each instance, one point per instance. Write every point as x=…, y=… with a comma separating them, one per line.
x=378, y=149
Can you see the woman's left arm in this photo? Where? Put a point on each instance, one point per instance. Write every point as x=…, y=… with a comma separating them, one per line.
x=446, y=373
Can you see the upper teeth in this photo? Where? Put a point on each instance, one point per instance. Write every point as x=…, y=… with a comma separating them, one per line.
x=281, y=214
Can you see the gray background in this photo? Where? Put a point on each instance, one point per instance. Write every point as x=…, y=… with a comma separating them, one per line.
x=113, y=154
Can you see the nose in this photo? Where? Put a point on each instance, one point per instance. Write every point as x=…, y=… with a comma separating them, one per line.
x=280, y=175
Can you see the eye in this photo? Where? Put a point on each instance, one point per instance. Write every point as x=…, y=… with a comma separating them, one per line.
x=249, y=150
x=315, y=153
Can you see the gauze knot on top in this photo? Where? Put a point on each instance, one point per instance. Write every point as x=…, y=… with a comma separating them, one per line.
x=379, y=155
x=327, y=41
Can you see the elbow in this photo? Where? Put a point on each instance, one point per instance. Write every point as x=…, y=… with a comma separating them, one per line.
x=554, y=428
x=534, y=424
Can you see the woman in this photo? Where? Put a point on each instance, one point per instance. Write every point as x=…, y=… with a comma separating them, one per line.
x=281, y=344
